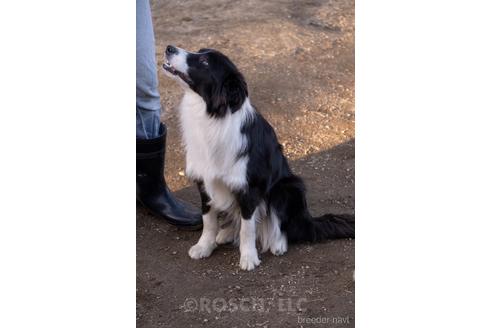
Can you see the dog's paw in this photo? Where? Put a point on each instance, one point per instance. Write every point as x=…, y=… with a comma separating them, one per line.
x=224, y=236
x=199, y=251
x=249, y=261
x=279, y=247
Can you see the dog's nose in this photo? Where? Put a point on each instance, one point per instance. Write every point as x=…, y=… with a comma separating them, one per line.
x=170, y=50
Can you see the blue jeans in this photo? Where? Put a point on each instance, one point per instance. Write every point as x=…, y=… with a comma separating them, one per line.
x=148, y=98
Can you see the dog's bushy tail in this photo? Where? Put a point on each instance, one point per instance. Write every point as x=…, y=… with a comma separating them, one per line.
x=288, y=200
x=332, y=226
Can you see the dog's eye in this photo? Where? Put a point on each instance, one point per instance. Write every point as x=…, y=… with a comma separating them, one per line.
x=203, y=60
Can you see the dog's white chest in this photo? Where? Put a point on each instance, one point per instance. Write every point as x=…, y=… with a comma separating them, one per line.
x=213, y=144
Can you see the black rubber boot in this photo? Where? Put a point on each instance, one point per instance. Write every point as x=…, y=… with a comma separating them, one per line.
x=152, y=190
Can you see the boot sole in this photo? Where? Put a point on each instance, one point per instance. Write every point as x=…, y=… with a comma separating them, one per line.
x=180, y=227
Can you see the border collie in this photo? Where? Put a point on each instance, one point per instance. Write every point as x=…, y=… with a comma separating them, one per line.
x=233, y=155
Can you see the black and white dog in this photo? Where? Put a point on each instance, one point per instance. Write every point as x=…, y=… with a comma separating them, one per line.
x=234, y=156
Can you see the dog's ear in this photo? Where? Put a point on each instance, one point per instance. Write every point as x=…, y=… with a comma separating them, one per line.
x=236, y=91
x=204, y=50
x=217, y=104
x=232, y=93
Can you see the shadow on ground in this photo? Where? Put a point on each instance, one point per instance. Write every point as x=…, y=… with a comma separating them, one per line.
x=310, y=281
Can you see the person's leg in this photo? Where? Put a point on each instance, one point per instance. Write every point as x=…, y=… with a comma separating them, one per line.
x=152, y=190
x=148, y=99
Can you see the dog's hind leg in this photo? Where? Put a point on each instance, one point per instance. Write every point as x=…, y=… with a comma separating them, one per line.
x=277, y=238
x=229, y=230
x=206, y=244
x=270, y=235
x=225, y=235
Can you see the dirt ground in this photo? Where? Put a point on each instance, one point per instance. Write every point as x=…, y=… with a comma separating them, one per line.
x=298, y=60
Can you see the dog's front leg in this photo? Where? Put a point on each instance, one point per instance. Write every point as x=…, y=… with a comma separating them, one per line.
x=247, y=244
x=248, y=204
x=206, y=244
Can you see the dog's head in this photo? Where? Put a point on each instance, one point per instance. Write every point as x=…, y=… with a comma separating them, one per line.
x=211, y=75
